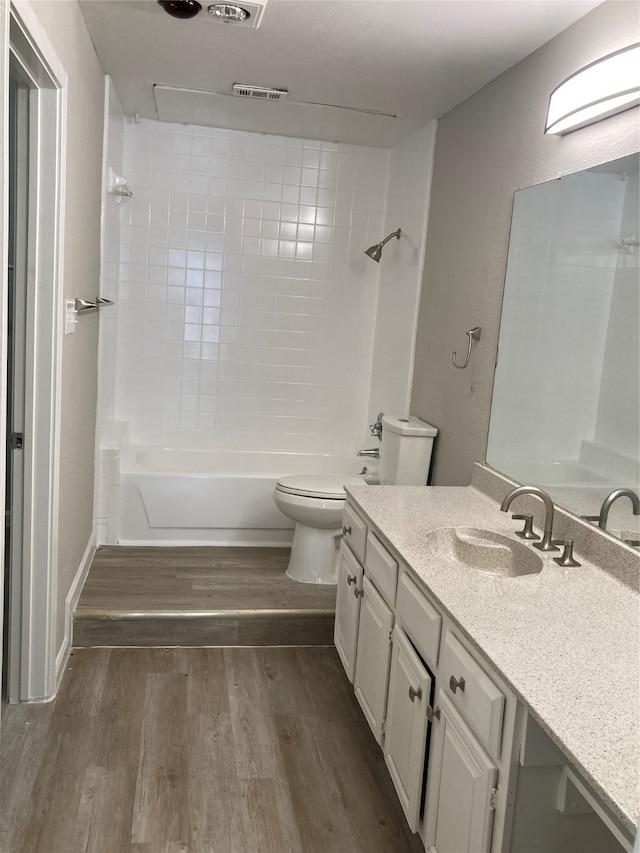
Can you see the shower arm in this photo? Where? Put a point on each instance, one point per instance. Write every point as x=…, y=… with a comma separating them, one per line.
x=393, y=234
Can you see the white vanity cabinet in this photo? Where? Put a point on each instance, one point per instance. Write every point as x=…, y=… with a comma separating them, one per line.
x=412, y=675
x=473, y=770
x=348, y=594
x=405, y=736
x=462, y=786
x=373, y=657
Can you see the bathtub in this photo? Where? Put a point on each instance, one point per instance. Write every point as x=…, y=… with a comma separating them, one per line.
x=564, y=473
x=212, y=497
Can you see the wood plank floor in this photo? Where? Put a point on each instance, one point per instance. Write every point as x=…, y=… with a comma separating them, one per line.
x=197, y=751
x=200, y=596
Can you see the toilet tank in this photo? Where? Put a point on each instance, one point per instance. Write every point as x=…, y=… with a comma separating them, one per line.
x=405, y=454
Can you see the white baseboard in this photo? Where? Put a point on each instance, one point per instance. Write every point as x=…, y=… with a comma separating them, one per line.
x=70, y=605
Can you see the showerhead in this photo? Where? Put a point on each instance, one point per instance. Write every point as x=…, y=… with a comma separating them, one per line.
x=375, y=252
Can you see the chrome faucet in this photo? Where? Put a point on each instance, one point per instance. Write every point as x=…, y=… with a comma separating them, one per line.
x=611, y=499
x=373, y=452
x=546, y=543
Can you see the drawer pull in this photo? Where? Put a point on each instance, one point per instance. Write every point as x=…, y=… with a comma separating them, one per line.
x=454, y=685
x=433, y=714
x=351, y=579
x=415, y=694
x=358, y=592
x=346, y=530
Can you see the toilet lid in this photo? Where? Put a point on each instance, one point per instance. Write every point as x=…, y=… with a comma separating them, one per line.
x=327, y=486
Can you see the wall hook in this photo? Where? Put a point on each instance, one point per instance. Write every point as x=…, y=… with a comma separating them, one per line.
x=474, y=335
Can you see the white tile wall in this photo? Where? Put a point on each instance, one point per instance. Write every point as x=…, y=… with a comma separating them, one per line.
x=112, y=209
x=246, y=305
x=401, y=272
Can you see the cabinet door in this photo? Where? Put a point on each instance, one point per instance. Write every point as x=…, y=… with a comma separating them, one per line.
x=405, y=733
x=460, y=783
x=374, y=656
x=348, y=593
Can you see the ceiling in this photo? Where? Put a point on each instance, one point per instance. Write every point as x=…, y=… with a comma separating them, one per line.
x=384, y=67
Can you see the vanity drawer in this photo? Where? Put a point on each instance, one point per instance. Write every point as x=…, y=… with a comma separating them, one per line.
x=355, y=532
x=419, y=618
x=477, y=698
x=382, y=568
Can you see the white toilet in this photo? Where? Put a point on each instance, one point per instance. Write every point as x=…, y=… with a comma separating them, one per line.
x=315, y=501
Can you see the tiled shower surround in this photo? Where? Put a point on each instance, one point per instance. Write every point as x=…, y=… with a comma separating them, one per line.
x=246, y=306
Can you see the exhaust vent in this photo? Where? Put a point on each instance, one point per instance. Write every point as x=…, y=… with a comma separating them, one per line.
x=263, y=93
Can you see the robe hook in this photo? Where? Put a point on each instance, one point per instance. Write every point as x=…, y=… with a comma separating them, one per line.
x=474, y=335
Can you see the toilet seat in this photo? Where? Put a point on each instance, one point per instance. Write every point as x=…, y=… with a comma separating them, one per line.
x=325, y=486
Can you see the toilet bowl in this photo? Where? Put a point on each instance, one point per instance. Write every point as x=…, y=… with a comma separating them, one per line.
x=315, y=502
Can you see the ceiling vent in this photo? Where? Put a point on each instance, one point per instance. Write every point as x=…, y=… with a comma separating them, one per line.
x=262, y=93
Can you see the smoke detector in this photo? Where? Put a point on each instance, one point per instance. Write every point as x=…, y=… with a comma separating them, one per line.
x=239, y=14
x=263, y=93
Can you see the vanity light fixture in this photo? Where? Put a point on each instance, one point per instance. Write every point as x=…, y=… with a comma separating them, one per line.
x=601, y=89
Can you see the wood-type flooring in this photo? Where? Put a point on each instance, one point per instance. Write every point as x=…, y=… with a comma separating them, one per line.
x=200, y=596
x=235, y=750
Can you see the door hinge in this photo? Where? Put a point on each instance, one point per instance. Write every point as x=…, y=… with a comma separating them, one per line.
x=391, y=636
x=383, y=727
x=16, y=440
x=493, y=799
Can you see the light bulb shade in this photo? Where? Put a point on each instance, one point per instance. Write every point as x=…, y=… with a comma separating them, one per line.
x=602, y=89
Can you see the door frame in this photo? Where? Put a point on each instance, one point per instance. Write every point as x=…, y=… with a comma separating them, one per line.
x=31, y=52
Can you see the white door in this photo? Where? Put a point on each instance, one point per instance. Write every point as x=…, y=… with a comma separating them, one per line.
x=461, y=779
x=348, y=596
x=405, y=734
x=374, y=656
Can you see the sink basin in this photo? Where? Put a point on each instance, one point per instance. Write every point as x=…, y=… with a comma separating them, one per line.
x=484, y=551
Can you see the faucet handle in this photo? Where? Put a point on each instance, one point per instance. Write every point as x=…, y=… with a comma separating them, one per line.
x=527, y=530
x=567, y=558
x=376, y=428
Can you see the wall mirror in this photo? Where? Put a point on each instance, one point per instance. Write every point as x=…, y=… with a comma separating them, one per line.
x=565, y=412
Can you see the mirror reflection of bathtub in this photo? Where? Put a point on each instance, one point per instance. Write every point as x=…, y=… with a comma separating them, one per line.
x=565, y=412
x=573, y=485
x=212, y=497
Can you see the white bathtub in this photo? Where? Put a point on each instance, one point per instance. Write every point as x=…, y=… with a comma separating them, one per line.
x=213, y=497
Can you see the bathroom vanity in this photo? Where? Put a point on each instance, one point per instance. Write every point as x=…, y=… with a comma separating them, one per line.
x=506, y=704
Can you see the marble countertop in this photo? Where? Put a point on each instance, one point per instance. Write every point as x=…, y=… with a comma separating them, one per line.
x=565, y=640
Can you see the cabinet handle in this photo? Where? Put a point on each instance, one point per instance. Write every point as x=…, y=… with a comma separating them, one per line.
x=433, y=715
x=345, y=529
x=358, y=592
x=351, y=579
x=415, y=694
x=454, y=685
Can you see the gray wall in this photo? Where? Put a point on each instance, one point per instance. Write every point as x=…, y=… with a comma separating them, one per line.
x=69, y=38
x=486, y=148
